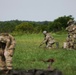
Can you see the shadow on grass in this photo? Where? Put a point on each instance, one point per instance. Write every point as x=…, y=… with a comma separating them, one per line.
x=34, y=72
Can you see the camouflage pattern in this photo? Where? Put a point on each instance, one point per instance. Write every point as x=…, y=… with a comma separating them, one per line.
x=7, y=46
x=71, y=29
x=48, y=40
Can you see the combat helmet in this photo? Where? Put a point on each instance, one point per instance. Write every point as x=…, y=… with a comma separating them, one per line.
x=44, y=32
x=70, y=22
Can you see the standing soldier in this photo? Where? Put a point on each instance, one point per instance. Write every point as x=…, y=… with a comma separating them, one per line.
x=74, y=36
x=48, y=40
x=71, y=34
x=7, y=46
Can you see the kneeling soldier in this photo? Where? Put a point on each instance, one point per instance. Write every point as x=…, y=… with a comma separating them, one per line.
x=48, y=40
x=7, y=46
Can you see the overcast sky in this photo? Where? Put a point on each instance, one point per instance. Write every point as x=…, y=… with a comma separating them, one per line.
x=36, y=10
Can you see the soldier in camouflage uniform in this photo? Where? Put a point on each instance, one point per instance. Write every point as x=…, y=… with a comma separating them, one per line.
x=48, y=40
x=71, y=34
x=7, y=46
x=74, y=36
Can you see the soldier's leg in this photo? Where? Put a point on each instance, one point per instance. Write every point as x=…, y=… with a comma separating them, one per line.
x=74, y=44
x=8, y=57
x=2, y=60
x=2, y=63
x=49, y=45
x=71, y=45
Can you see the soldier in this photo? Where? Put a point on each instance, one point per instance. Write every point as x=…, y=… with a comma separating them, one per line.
x=71, y=34
x=7, y=46
x=48, y=40
x=74, y=36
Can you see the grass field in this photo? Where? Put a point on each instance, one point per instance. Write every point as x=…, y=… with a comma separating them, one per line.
x=28, y=55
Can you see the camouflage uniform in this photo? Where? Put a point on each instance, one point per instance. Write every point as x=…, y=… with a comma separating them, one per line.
x=74, y=36
x=69, y=42
x=71, y=34
x=48, y=40
x=7, y=46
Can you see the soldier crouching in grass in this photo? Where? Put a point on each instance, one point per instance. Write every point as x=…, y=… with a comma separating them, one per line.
x=48, y=40
x=7, y=46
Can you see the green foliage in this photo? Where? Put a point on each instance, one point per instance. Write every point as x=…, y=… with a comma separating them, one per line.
x=8, y=26
x=25, y=27
x=55, y=26
x=60, y=23
x=63, y=20
x=35, y=27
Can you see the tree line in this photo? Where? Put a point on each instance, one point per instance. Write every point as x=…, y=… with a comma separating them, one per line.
x=34, y=27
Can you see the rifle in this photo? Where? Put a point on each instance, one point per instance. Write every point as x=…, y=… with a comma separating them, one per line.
x=41, y=44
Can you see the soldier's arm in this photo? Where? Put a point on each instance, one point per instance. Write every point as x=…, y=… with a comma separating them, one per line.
x=44, y=41
x=41, y=43
x=66, y=28
x=7, y=44
x=0, y=38
x=13, y=43
x=51, y=37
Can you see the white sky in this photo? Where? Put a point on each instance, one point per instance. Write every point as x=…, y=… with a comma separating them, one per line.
x=36, y=10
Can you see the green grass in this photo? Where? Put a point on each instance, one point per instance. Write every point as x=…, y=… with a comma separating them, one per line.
x=28, y=55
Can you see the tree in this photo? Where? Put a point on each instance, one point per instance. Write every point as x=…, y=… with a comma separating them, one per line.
x=25, y=27
x=63, y=20
x=60, y=23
